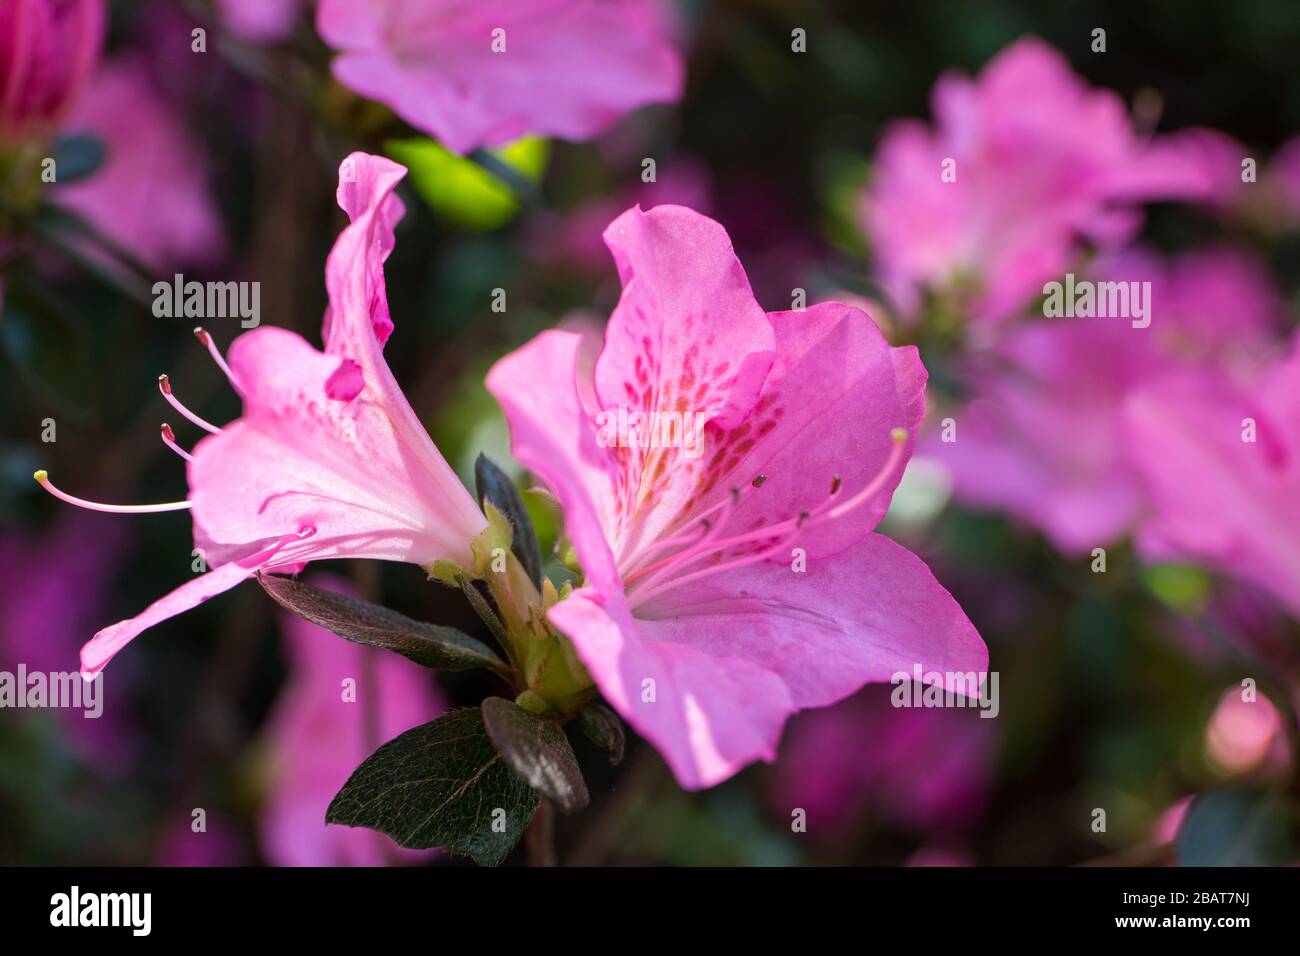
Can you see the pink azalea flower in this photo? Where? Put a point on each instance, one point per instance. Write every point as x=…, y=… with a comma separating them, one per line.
x=1271, y=199
x=569, y=68
x=1043, y=437
x=926, y=769
x=1217, y=495
x=329, y=460
x=150, y=194
x=1042, y=162
x=692, y=619
x=48, y=49
x=315, y=739
x=573, y=238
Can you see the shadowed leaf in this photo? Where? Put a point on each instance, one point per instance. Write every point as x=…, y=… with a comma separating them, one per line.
x=440, y=784
x=1235, y=826
x=537, y=750
x=431, y=645
x=604, y=728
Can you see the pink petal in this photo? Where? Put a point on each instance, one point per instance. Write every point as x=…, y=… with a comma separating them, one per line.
x=552, y=437
x=260, y=21
x=151, y=193
x=357, y=326
x=835, y=393
x=686, y=336
x=101, y=648
x=1241, y=506
x=299, y=459
x=1028, y=189
x=734, y=655
x=571, y=67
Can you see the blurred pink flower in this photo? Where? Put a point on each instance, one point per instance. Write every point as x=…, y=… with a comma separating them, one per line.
x=1170, y=822
x=926, y=769
x=1271, y=199
x=1244, y=734
x=48, y=49
x=1039, y=162
x=692, y=619
x=329, y=460
x=1043, y=437
x=151, y=194
x=260, y=21
x=43, y=621
x=314, y=739
x=218, y=844
x=1222, y=460
x=574, y=238
x=569, y=68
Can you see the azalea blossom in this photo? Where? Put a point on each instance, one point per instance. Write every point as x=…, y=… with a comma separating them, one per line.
x=150, y=193
x=1024, y=164
x=1242, y=183
x=929, y=769
x=328, y=460
x=314, y=739
x=1043, y=439
x=48, y=50
x=486, y=72
x=728, y=586
x=1223, y=463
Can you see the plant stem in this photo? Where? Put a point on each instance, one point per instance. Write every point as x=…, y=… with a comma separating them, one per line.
x=539, y=841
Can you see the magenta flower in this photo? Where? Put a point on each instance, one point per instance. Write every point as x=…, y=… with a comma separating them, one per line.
x=218, y=844
x=735, y=580
x=1223, y=464
x=1271, y=197
x=42, y=622
x=260, y=21
x=150, y=195
x=316, y=736
x=328, y=460
x=1043, y=437
x=486, y=73
x=927, y=769
x=48, y=49
x=1024, y=163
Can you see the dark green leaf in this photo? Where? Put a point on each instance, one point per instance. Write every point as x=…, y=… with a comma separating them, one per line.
x=440, y=784
x=431, y=645
x=494, y=485
x=537, y=750
x=604, y=728
x=1235, y=827
x=77, y=156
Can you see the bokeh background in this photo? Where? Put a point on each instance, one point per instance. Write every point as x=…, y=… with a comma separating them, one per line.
x=1119, y=691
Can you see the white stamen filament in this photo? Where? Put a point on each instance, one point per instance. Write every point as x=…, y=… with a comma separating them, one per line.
x=44, y=481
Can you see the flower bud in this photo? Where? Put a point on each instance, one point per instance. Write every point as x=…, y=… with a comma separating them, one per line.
x=48, y=49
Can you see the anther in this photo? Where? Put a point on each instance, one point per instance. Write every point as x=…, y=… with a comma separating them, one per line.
x=206, y=341
x=169, y=439
x=165, y=386
x=758, y=480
